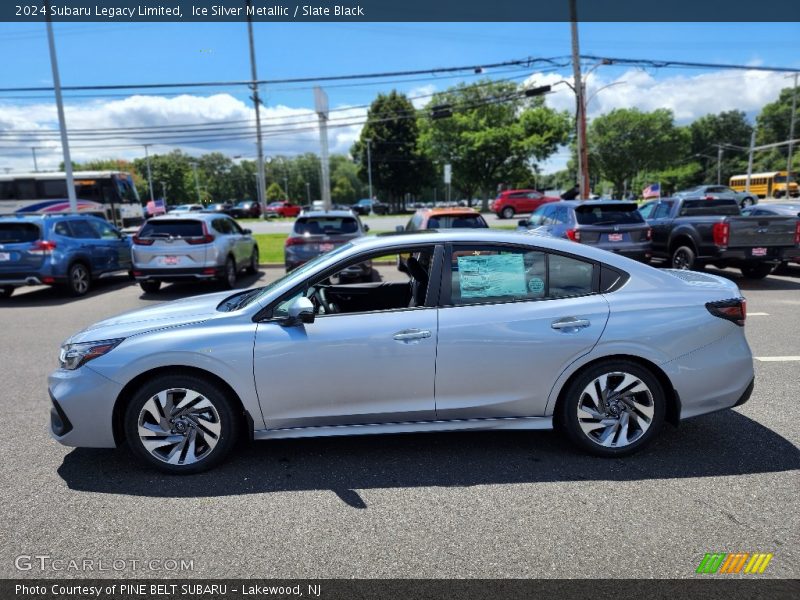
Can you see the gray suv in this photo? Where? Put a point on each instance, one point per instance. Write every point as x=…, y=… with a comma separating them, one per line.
x=744, y=199
x=195, y=246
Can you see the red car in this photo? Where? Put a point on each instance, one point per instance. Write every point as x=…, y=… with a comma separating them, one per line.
x=282, y=209
x=511, y=202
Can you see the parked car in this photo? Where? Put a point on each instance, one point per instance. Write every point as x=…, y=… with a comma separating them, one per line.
x=220, y=207
x=691, y=232
x=445, y=218
x=282, y=209
x=366, y=206
x=719, y=191
x=246, y=209
x=181, y=209
x=492, y=330
x=64, y=250
x=513, y=202
x=612, y=225
x=782, y=210
x=317, y=232
x=200, y=246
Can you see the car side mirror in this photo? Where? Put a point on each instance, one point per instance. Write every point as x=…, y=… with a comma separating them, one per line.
x=400, y=229
x=523, y=222
x=301, y=311
x=366, y=228
x=247, y=231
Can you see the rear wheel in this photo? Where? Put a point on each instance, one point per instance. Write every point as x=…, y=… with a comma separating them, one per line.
x=6, y=291
x=683, y=257
x=79, y=280
x=748, y=202
x=181, y=424
x=150, y=287
x=228, y=278
x=252, y=268
x=757, y=271
x=614, y=408
x=507, y=213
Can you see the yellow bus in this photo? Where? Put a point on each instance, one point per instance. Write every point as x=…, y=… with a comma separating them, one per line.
x=766, y=185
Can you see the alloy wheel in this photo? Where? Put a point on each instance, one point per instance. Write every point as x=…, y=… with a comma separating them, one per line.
x=681, y=260
x=79, y=279
x=230, y=272
x=615, y=409
x=179, y=426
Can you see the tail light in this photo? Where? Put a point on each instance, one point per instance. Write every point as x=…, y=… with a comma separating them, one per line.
x=732, y=310
x=206, y=238
x=42, y=247
x=294, y=241
x=574, y=235
x=142, y=241
x=797, y=233
x=721, y=233
x=648, y=235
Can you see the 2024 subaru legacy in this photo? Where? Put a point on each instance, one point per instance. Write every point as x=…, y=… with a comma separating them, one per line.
x=482, y=330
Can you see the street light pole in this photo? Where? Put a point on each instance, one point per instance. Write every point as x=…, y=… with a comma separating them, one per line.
x=262, y=194
x=62, y=124
x=791, y=134
x=750, y=159
x=196, y=183
x=369, y=165
x=149, y=173
x=580, y=108
x=719, y=164
x=35, y=166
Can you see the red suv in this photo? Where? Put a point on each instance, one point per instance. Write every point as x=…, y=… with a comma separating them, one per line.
x=511, y=202
x=282, y=208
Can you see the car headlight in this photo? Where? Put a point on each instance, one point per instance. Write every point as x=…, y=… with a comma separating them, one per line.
x=73, y=356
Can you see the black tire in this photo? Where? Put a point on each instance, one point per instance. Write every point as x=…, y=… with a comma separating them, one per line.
x=150, y=286
x=567, y=410
x=507, y=213
x=226, y=418
x=6, y=291
x=79, y=279
x=228, y=277
x=748, y=201
x=683, y=257
x=757, y=271
x=252, y=268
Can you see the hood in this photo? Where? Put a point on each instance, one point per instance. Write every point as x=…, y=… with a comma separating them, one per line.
x=168, y=314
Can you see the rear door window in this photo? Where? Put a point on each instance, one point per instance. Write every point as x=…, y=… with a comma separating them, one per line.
x=172, y=228
x=662, y=210
x=608, y=214
x=81, y=229
x=223, y=226
x=326, y=226
x=16, y=233
x=464, y=222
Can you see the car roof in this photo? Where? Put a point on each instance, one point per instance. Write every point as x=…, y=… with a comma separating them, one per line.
x=435, y=212
x=197, y=214
x=25, y=218
x=576, y=203
x=326, y=213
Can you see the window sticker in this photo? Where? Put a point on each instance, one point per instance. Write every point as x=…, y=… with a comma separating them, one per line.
x=536, y=285
x=492, y=275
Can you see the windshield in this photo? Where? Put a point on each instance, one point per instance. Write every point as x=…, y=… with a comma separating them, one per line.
x=240, y=301
x=325, y=225
x=172, y=228
x=126, y=189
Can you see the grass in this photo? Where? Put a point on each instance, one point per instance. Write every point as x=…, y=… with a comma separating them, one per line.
x=270, y=246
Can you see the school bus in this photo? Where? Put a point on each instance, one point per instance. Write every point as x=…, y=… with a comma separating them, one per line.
x=766, y=185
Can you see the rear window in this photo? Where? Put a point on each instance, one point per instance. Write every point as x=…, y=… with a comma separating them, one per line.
x=709, y=207
x=176, y=228
x=608, y=214
x=14, y=233
x=325, y=225
x=457, y=222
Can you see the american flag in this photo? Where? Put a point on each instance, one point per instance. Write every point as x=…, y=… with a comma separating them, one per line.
x=156, y=207
x=652, y=191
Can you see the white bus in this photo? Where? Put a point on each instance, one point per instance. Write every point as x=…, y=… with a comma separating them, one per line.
x=108, y=194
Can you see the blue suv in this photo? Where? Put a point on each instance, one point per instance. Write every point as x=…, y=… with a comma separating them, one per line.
x=68, y=250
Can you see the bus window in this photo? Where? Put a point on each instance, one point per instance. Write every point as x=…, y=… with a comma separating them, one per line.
x=26, y=189
x=126, y=190
x=52, y=188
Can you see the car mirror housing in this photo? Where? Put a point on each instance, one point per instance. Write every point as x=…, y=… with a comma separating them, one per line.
x=247, y=231
x=301, y=311
x=399, y=229
x=523, y=222
x=366, y=228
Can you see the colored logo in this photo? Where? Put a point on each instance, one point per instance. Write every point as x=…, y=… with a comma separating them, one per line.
x=737, y=562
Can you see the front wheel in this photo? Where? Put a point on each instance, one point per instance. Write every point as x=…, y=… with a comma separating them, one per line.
x=252, y=267
x=507, y=213
x=613, y=409
x=757, y=271
x=180, y=424
x=683, y=257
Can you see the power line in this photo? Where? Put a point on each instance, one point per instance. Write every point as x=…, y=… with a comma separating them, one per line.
x=661, y=64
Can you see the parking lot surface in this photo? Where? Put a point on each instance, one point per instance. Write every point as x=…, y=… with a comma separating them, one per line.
x=507, y=504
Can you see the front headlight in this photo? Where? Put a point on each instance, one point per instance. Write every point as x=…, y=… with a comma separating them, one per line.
x=73, y=356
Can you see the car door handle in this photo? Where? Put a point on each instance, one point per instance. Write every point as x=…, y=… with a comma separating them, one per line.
x=409, y=335
x=570, y=324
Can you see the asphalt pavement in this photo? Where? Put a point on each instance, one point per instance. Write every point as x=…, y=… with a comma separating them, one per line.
x=503, y=504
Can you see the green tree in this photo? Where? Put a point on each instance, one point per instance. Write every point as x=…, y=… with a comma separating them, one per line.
x=398, y=165
x=342, y=191
x=215, y=169
x=772, y=126
x=275, y=192
x=626, y=141
x=172, y=171
x=729, y=128
x=493, y=136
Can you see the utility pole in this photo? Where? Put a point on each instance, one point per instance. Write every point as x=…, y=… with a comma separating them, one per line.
x=369, y=165
x=580, y=106
x=149, y=174
x=262, y=194
x=62, y=124
x=164, y=193
x=321, y=105
x=35, y=166
x=308, y=193
x=719, y=163
x=791, y=134
x=196, y=182
x=750, y=159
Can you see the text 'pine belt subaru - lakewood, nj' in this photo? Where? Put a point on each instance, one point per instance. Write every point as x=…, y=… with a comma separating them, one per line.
x=486, y=330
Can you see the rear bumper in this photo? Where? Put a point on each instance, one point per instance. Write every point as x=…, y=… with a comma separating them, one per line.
x=19, y=280
x=177, y=274
x=745, y=255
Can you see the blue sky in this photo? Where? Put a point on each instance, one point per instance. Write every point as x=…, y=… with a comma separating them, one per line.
x=108, y=53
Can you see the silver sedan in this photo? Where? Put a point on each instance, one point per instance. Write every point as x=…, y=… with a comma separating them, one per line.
x=478, y=330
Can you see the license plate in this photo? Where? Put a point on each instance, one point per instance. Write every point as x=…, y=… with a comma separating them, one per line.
x=326, y=247
x=170, y=260
x=5, y=256
x=759, y=251
x=614, y=237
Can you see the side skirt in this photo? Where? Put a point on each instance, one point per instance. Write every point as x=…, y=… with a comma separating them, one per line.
x=407, y=427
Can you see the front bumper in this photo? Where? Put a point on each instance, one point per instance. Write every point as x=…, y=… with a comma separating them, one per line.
x=82, y=408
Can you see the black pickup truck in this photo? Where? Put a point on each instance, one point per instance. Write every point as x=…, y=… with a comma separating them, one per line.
x=691, y=232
